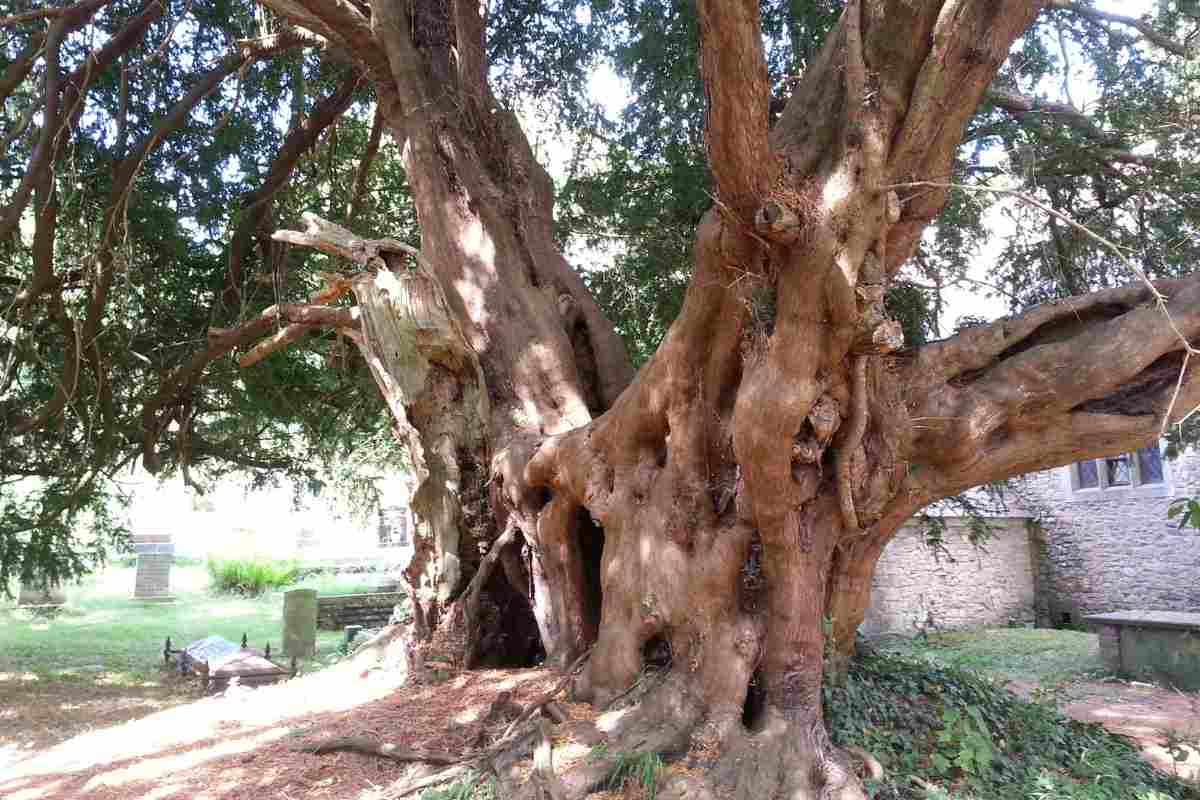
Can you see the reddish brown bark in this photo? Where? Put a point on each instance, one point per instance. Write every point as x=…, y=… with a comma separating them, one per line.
x=737, y=493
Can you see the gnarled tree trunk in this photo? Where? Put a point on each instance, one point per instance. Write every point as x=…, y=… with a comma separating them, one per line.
x=733, y=498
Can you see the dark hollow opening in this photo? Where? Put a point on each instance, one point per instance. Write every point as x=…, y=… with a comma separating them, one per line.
x=510, y=633
x=756, y=702
x=656, y=652
x=591, y=550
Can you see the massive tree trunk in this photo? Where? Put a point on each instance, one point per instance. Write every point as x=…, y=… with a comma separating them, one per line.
x=733, y=498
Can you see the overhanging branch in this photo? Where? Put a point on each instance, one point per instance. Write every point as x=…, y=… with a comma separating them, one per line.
x=1147, y=31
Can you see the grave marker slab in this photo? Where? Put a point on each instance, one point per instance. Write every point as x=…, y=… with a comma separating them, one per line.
x=156, y=554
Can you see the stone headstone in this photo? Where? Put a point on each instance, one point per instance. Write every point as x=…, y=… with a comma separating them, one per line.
x=155, y=555
x=300, y=623
x=393, y=526
x=32, y=594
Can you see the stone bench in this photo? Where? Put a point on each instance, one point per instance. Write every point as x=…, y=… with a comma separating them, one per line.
x=369, y=610
x=1158, y=644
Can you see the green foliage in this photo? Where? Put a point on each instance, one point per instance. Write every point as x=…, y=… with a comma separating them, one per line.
x=966, y=737
x=965, y=742
x=1186, y=510
x=250, y=576
x=636, y=185
x=472, y=787
x=640, y=768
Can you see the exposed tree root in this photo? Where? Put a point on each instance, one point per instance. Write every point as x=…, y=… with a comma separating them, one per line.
x=870, y=763
x=787, y=758
x=549, y=785
x=370, y=747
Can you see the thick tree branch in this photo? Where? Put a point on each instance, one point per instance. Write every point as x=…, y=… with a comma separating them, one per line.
x=16, y=71
x=1021, y=106
x=1148, y=31
x=303, y=319
x=734, y=70
x=76, y=11
x=1109, y=148
x=339, y=22
x=970, y=41
x=1113, y=358
x=470, y=32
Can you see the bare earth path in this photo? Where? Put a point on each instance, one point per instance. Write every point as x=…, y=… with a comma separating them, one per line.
x=1140, y=711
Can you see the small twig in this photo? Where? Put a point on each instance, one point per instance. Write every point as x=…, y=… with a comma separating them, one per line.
x=1166, y=423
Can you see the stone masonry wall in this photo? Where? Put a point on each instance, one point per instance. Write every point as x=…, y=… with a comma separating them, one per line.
x=964, y=586
x=1100, y=552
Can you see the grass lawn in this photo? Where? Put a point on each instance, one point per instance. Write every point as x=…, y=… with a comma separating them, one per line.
x=98, y=661
x=102, y=629
x=1041, y=656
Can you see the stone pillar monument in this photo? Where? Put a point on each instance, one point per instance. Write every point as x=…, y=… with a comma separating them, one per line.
x=31, y=594
x=300, y=623
x=155, y=554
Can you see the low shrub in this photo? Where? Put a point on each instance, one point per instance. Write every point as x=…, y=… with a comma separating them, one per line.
x=250, y=576
x=951, y=733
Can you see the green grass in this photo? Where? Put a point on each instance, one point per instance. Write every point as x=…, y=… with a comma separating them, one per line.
x=103, y=630
x=338, y=584
x=1037, y=655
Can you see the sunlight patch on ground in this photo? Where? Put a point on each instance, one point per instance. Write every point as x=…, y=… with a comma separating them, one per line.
x=35, y=793
x=18, y=676
x=337, y=688
x=469, y=715
x=151, y=769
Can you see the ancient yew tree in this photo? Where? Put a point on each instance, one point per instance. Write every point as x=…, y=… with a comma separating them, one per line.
x=726, y=503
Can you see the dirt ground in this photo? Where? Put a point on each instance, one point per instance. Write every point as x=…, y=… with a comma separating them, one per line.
x=251, y=743
x=36, y=714
x=1144, y=713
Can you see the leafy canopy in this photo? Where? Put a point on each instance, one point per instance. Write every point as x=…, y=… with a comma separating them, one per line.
x=137, y=203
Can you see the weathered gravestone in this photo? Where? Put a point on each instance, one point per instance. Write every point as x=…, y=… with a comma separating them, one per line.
x=155, y=555
x=33, y=594
x=1161, y=645
x=218, y=661
x=300, y=623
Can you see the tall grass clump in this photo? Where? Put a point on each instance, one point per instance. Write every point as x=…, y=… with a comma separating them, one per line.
x=250, y=576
